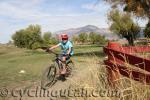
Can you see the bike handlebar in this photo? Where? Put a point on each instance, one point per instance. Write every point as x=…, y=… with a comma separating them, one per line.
x=49, y=51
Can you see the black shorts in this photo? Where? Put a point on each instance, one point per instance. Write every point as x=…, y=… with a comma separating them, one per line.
x=64, y=55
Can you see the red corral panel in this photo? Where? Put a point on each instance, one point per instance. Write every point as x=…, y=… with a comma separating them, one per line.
x=124, y=70
x=138, y=49
x=142, y=63
x=119, y=56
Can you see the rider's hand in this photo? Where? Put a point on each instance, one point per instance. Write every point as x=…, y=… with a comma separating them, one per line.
x=67, y=54
x=48, y=49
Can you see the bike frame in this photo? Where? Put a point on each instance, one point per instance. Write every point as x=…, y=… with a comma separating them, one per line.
x=51, y=73
x=57, y=60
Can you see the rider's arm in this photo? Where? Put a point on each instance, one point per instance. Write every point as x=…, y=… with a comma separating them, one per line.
x=55, y=46
x=69, y=50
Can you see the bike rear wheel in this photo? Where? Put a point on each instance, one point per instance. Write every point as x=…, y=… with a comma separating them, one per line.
x=70, y=68
x=48, y=77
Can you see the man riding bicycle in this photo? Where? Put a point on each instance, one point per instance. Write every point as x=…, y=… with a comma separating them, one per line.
x=67, y=50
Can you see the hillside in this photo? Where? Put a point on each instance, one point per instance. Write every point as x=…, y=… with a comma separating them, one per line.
x=89, y=28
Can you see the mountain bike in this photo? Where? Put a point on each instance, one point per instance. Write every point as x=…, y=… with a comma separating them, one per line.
x=52, y=73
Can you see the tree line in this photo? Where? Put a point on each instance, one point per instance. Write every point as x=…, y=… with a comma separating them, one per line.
x=32, y=38
x=91, y=38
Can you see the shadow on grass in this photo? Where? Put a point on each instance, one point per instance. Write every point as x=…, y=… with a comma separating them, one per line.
x=94, y=53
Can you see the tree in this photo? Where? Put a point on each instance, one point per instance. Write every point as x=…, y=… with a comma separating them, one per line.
x=138, y=7
x=75, y=39
x=101, y=39
x=93, y=37
x=20, y=39
x=123, y=25
x=34, y=34
x=83, y=37
x=29, y=37
x=46, y=37
x=54, y=40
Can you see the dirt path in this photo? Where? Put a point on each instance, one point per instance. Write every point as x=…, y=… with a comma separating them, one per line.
x=35, y=93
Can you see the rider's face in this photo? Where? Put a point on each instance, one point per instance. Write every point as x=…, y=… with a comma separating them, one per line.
x=64, y=41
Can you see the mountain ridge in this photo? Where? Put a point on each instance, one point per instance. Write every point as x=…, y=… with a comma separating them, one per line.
x=87, y=29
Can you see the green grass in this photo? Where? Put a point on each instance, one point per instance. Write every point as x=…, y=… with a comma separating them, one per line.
x=13, y=59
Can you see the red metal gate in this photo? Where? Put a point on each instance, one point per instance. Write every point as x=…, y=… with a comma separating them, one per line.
x=121, y=57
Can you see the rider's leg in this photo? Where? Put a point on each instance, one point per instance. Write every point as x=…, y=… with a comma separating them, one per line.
x=64, y=65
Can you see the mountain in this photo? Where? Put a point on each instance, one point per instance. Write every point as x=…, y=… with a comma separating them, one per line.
x=87, y=29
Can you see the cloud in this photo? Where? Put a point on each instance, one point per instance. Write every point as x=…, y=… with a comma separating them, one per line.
x=97, y=7
x=31, y=10
x=19, y=10
x=23, y=3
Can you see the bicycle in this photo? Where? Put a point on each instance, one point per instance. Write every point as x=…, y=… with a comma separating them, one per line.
x=52, y=73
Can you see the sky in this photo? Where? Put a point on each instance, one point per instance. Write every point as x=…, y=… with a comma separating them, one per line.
x=52, y=15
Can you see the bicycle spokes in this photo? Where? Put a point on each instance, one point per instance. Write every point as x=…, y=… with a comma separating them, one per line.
x=48, y=77
x=51, y=73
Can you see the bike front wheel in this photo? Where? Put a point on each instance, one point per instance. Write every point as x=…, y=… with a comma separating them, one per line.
x=48, y=77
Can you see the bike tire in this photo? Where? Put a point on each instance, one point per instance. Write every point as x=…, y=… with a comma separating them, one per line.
x=70, y=68
x=48, y=77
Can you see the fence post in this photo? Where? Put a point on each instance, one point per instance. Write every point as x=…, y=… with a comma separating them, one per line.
x=113, y=71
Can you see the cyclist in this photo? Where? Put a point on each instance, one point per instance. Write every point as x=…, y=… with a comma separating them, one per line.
x=67, y=50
